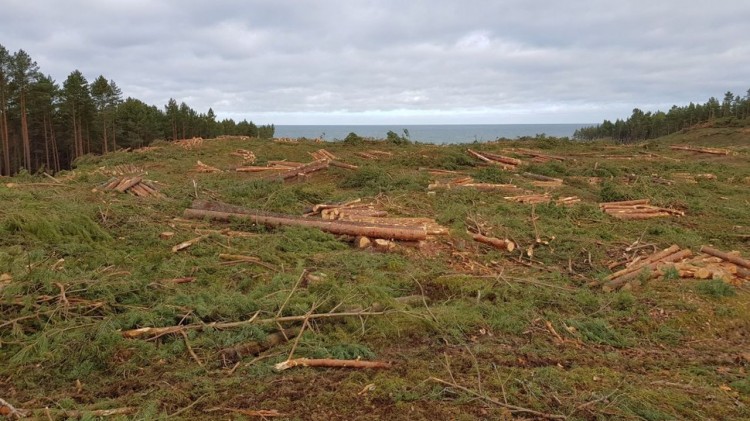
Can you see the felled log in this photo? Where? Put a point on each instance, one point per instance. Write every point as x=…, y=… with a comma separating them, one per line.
x=477, y=186
x=344, y=165
x=366, y=155
x=221, y=211
x=674, y=248
x=737, y=260
x=533, y=199
x=304, y=170
x=505, y=245
x=201, y=167
x=713, y=151
x=619, y=281
x=328, y=362
x=380, y=153
x=253, y=168
x=502, y=159
x=624, y=203
x=541, y=177
x=287, y=164
x=536, y=154
x=567, y=201
x=127, y=183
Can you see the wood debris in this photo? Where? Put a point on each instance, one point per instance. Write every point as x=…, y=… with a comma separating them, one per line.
x=247, y=156
x=136, y=186
x=147, y=149
x=344, y=165
x=322, y=154
x=203, y=168
x=468, y=182
x=366, y=155
x=303, y=170
x=538, y=156
x=193, y=143
x=712, y=151
x=440, y=172
x=380, y=153
x=498, y=243
x=185, y=244
x=543, y=180
x=328, y=362
x=288, y=140
x=637, y=209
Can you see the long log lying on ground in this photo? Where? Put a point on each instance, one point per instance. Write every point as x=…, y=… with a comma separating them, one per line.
x=541, y=177
x=222, y=211
x=624, y=203
x=536, y=154
x=674, y=248
x=502, y=158
x=713, y=151
x=328, y=362
x=618, y=282
x=737, y=260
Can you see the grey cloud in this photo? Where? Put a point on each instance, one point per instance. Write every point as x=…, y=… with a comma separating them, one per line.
x=326, y=61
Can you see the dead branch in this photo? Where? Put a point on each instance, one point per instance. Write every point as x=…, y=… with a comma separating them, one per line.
x=512, y=408
x=329, y=362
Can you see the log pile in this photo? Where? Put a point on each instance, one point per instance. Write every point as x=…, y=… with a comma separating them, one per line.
x=505, y=162
x=193, y=143
x=637, y=209
x=122, y=169
x=322, y=154
x=247, y=156
x=286, y=140
x=203, y=168
x=567, y=201
x=646, y=267
x=355, y=211
x=712, y=151
x=303, y=170
x=136, y=186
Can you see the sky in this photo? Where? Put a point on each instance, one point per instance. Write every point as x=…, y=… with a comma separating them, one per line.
x=388, y=62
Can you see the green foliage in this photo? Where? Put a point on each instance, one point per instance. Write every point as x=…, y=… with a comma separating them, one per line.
x=612, y=192
x=395, y=139
x=716, y=288
x=600, y=332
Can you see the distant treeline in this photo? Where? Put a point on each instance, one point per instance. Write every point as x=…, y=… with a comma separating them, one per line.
x=45, y=126
x=641, y=126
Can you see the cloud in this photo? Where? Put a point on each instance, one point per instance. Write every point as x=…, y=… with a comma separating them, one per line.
x=362, y=61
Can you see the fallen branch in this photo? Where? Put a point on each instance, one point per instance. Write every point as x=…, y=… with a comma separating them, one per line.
x=236, y=352
x=512, y=408
x=328, y=362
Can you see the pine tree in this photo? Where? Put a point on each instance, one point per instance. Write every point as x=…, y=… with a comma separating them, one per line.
x=5, y=60
x=25, y=71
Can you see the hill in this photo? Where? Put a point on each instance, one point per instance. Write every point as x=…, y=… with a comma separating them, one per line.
x=466, y=330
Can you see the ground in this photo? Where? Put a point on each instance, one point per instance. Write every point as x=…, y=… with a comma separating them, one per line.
x=491, y=334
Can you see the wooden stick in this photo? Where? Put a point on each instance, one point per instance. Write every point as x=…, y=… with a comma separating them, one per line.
x=329, y=362
x=156, y=331
x=737, y=260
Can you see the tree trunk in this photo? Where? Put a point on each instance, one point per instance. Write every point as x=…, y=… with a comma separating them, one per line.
x=25, y=134
x=46, y=142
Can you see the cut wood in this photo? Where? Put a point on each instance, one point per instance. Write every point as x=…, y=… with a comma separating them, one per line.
x=362, y=242
x=344, y=165
x=235, y=353
x=623, y=279
x=185, y=244
x=329, y=362
x=541, y=177
x=674, y=248
x=505, y=245
x=625, y=203
x=536, y=154
x=713, y=151
x=201, y=167
x=737, y=260
x=222, y=211
x=253, y=168
x=502, y=159
x=304, y=170
x=127, y=183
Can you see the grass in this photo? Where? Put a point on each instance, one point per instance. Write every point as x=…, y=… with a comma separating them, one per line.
x=535, y=335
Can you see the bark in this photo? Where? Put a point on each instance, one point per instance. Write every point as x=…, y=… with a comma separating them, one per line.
x=737, y=260
x=221, y=211
x=25, y=134
x=328, y=362
x=505, y=245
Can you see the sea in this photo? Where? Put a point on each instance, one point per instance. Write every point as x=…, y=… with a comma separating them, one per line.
x=431, y=133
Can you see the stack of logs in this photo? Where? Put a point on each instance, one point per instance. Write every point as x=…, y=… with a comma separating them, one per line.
x=190, y=143
x=203, y=168
x=505, y=162
x=322, y=154
x=712, y=151
x=247, y=156
x=355, y=211
x=637, y=209
x=712, y=263
x=134, y=185
x=122, y=169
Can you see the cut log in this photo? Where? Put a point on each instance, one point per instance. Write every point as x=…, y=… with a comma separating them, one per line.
x=362, y=242
x=737, y=260
x=622, y=280
x=505, y=245
x=253, y=168
x=502, y=159
x=383, y=245
x=327, y=362
x=674, y=248
x=624, y=203
x=225, y=212
x=185, y=244
x=713, y=151
x=237, y=352
x=343, y=165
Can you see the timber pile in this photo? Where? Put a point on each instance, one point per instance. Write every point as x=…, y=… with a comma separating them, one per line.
x=568, y=201
x=136, y=186
x=355, y=211
x=507, y=163
x=193, y=143
x=203, y=168
x=712, y=151
x=272, y=165
x=322, y=154
x=122, y=169
x=247, y=156
x=286, y=140
x=637, y=209
x=224, y=212
x=646, y=267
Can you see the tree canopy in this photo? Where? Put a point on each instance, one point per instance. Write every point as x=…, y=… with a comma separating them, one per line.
x=45, y=126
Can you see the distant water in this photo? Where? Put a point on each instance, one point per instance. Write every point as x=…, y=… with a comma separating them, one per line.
x=432, y=133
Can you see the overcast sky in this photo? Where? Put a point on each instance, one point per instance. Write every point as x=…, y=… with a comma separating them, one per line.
x=407, y=61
